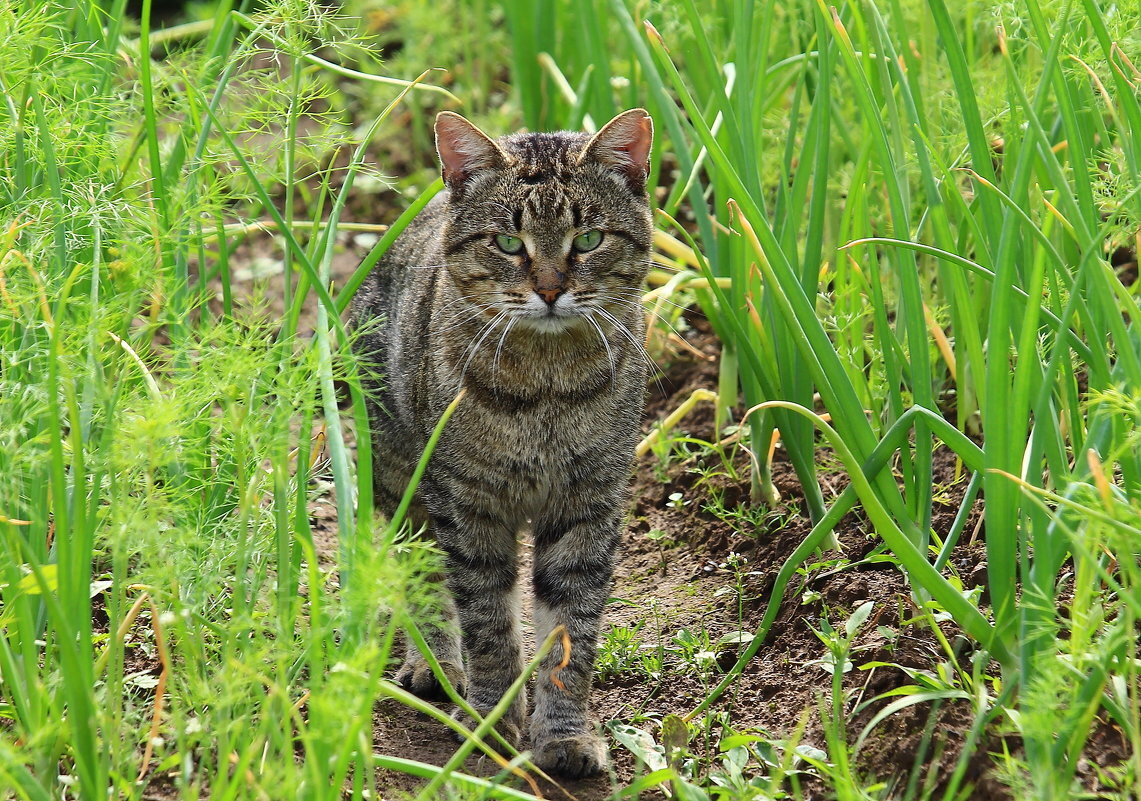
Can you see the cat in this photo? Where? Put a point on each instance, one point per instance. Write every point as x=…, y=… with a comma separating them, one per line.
x=520, y=284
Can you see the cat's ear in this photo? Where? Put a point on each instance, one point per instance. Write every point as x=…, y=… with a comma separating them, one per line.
x=464, y=149
x=624, y=145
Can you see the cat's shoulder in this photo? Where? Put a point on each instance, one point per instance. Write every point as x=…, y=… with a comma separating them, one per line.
x=427, y=225
x=421, y=240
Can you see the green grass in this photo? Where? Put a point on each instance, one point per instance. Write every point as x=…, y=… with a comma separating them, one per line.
x=899, y=208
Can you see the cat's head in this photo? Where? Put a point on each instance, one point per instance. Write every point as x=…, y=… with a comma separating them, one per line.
x=550, y=230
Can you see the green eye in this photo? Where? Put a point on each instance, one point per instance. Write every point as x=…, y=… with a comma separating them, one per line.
x=509, y=244
x=588, y=241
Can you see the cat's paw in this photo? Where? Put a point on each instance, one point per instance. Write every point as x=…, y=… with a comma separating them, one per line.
x=573, y=756
x=508, y=727
x=416, y=677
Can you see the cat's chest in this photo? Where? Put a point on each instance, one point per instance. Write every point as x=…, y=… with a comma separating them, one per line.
x=541, y=405
x=542, y=432
x=535, y=422
x=538, y=437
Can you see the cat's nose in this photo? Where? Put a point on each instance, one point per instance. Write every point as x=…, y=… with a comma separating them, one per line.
x=549, y=295
x=549, y=282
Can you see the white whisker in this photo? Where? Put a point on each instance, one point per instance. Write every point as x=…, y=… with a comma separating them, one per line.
x=633, y=339
x=474, y=347
x=499, y=347
x=464, y=316
x=639, y=295
x=609, y=352
x=651, y=312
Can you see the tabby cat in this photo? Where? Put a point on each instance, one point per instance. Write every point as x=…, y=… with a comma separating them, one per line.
x=519, y=283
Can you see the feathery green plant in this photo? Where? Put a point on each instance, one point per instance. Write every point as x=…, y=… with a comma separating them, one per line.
x=161, y=430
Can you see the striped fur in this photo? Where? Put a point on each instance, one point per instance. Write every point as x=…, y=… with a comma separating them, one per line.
x=544, y=439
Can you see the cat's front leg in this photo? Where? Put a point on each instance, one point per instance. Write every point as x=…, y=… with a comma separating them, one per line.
x=481, y=576
x=443, y=638
x=574, y=561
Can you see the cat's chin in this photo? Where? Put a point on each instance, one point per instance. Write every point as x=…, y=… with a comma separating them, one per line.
x=550, y=323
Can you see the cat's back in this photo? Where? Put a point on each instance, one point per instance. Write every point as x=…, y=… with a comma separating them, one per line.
x=419, y=244
x=399, y=290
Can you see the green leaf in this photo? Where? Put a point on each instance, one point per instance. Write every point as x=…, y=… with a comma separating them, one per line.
x=675, y=734
x=30, y=586
x=858, y=618
x=640, y=743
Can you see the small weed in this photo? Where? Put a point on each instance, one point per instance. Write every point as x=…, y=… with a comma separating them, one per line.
x=890, y=636
x=735, y=564
x=711, y=761
x=620, y=652
x=623, y=652
x=695, y=652
x=660, y=537
x=751, y=520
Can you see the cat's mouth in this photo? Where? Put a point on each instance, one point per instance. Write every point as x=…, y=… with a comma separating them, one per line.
x=551, y=315
x=551, y=320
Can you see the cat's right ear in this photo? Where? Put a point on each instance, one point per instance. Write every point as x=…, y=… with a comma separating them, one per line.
x=464, y=150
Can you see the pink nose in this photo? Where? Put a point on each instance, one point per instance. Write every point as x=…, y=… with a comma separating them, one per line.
x=549, y=295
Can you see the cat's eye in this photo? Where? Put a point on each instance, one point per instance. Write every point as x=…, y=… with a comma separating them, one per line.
x=509, y=244
x=587, y=241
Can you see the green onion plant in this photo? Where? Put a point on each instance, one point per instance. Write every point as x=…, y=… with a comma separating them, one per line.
x=915, y=203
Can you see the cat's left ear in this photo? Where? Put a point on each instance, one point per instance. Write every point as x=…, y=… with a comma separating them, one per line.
x=624, y=144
